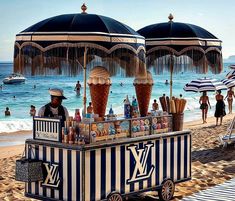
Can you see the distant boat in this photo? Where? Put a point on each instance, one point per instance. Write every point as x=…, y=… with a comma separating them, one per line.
x=14, y=78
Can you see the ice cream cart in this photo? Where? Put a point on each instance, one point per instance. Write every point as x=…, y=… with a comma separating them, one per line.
x=124, y=162
x=105, y=159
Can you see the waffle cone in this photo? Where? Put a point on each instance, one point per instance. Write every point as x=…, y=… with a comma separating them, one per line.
x=99, y=98
x=143, y=93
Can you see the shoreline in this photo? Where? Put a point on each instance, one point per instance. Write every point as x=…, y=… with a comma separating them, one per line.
x=187, y=125
x=18, y=137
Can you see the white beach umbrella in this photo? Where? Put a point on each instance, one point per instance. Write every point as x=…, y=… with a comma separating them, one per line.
x=204, y=84
x=228, y=82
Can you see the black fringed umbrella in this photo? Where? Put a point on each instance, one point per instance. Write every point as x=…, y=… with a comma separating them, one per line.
x=69, y=44
x=177, y=47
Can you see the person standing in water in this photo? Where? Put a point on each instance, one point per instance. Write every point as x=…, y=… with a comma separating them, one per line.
x=155, y=105
x=78, y=88
x=7, y=112
x=204, y=103
x=32, y=111
x=230, y=95
x=219, y=107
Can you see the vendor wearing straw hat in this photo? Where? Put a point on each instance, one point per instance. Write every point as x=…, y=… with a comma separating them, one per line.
x=54, y=108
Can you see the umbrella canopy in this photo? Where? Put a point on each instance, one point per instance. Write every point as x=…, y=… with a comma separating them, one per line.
x=204, y=84
x=201, y=47
x=229, y=82
x=231, y=74
x=232, y=66
x=56, y=46
x=177, y=47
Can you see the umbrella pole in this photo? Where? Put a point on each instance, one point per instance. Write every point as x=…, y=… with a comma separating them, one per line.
x=84, y=84
x=171, y=75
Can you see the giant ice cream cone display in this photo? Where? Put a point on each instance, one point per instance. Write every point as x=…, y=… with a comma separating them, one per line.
x=99, y=84
x=143, y=88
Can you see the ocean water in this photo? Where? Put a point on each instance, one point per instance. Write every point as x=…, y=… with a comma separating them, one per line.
x=26, y=95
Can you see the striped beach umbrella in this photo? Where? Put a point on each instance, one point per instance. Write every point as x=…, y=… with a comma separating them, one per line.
x=232, y=66
x=204, y=84
x=228, y=82
x=231, y=74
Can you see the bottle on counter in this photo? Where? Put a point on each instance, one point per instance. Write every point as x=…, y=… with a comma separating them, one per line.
x=71, y=135
x=62, y=137
x=82, y=140
x=76, y=134
x=134, y=107
x=127, y=108
x=76, y=140
x=66, y=138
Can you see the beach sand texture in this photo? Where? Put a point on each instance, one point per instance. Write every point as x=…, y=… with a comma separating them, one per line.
x=211, y=165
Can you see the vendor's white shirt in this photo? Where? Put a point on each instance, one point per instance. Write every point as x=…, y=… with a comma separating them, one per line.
x=53, y=110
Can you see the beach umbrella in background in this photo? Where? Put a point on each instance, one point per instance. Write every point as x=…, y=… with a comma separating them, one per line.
x=232, y=66
x=231, y=74
x=228, y=82
x=177, y=47
x=70, y=44
x=204, y=84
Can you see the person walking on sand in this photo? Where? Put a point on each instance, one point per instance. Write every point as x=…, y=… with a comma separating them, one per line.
x=204, y=103
x=78, y=88
x=230, y=95
x=219, y=107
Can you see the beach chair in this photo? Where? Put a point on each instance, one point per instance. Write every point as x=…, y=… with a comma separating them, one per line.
x=229, y=137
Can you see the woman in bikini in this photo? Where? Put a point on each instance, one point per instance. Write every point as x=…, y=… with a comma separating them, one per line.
x=230, y=95
x=204, y=103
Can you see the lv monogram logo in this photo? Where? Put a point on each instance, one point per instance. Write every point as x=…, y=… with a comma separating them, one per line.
x=140, y=155
x=52, y=179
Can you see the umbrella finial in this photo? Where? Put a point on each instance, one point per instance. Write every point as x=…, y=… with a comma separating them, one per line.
x=84, y=8
x=170, y=17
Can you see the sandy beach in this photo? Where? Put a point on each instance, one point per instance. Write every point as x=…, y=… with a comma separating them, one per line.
x=211, y=165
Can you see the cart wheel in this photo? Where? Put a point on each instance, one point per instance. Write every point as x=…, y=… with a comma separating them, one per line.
x=167, y=190
x=115, y=197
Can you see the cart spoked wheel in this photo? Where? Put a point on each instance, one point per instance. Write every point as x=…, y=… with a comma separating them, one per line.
x=115, y=197
x=167, y=191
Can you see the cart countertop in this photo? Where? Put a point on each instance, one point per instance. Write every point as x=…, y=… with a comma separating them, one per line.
x=108, y=143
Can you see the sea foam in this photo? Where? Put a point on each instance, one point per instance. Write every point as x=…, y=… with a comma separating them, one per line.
x=9, y=126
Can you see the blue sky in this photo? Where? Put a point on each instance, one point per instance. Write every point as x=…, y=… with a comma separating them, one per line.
x=217, y=16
